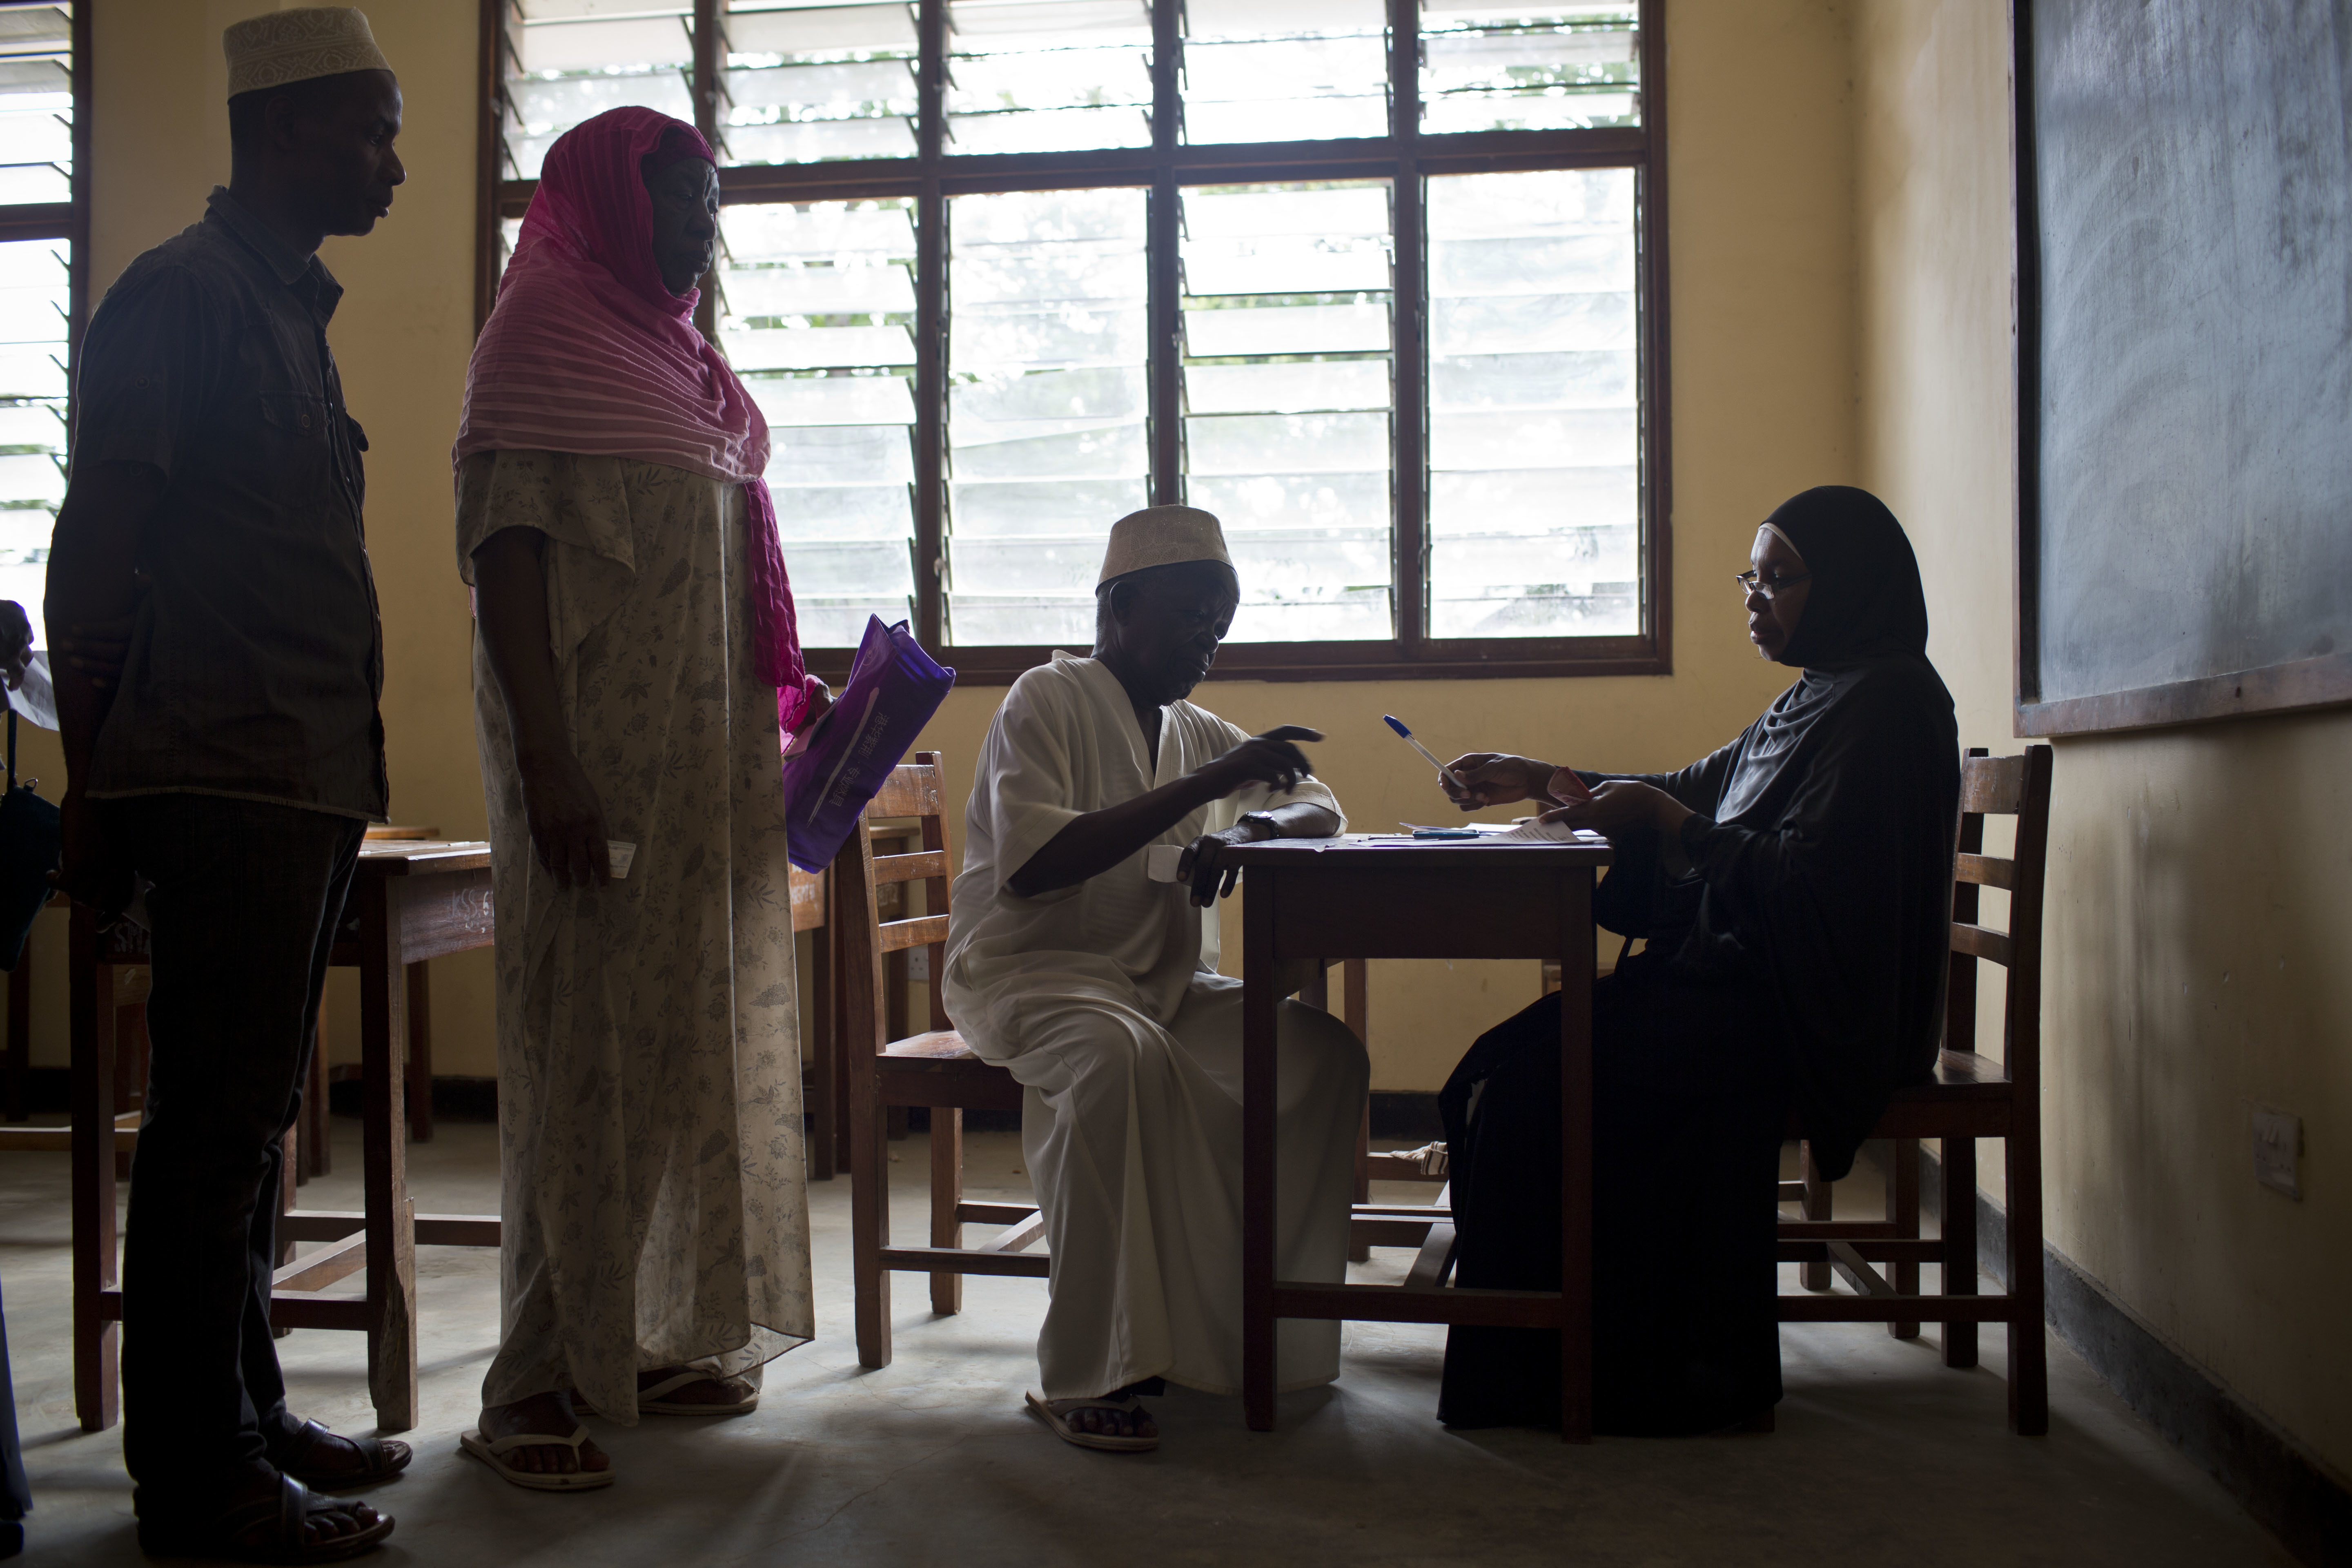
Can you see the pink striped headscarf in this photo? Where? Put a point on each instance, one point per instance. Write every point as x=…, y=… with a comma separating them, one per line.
x=587, y=352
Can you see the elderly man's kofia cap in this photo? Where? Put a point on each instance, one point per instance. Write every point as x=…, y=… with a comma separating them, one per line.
x=282, y=46
x=1163, y=536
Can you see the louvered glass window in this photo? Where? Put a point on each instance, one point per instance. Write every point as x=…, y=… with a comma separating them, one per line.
x=1047, y=403
x=1284, y=70
x=1288, y=376
x=37, y=170
x=809, y=84
x=1534, y=423
x=1489, y=67
x=570, y=60
x=1048, y=76
x=1375, y=280
x=819, y=314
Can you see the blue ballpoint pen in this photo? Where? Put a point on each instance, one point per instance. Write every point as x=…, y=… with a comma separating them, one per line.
x=1451, y=777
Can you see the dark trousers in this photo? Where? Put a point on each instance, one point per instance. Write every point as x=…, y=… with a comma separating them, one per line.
x=1689, y=1101
x=243, y=912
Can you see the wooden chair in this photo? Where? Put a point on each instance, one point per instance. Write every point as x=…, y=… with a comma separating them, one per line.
x=938, y=1070
x=1970, y=1096
x=935, y=1069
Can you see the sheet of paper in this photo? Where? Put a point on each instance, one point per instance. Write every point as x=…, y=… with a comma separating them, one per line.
x=621, y=853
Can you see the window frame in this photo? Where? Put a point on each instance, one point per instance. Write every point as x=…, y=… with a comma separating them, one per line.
x=1405, y=154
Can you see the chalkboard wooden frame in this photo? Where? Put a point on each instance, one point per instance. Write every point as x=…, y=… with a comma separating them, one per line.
x=2299, y=684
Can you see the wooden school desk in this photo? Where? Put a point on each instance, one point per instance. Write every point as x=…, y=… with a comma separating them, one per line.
x=1328, y=900
x=412, y=901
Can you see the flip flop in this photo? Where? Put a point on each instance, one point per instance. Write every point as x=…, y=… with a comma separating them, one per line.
x=494, y=1455
x=295, y=1502
x=385, y=1458
x=1059, y=1420
x=651, y=1403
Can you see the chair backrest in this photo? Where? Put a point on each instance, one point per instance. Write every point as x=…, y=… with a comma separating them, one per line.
x=808, y=899
x=2015, y=786
x=913, y=790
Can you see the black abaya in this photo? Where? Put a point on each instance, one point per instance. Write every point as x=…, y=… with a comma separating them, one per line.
x=1800, y=960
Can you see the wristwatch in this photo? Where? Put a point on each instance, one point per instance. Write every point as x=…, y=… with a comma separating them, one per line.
x=1263, y=819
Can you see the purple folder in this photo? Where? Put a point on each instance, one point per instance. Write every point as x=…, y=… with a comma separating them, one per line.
x=894, y=689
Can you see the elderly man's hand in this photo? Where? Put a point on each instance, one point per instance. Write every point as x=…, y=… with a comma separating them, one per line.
x=1202, y=863
x=1272, y=758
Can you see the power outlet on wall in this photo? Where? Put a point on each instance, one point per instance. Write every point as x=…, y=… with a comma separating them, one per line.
x=2278, y=1143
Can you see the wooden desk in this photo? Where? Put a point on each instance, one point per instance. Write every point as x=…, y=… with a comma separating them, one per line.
x=1338, y=899
x=414, y=901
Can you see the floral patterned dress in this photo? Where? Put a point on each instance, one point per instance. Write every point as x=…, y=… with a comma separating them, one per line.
x=649, y=1109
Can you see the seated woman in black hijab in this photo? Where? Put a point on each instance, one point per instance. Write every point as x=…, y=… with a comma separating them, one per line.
x=1794, y=890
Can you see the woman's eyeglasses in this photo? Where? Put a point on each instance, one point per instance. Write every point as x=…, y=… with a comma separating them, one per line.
x=1771, y=587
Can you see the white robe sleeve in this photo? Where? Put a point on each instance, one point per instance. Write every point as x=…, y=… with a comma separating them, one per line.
x=1025, y=783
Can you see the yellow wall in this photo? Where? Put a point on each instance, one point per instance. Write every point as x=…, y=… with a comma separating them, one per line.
x=1760, y=220
x=2199, y=879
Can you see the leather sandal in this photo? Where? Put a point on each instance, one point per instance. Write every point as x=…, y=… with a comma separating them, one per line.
x=294, y=1502
x=382, y=1459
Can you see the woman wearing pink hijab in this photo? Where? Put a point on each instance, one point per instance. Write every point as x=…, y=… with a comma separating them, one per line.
x=636, y=675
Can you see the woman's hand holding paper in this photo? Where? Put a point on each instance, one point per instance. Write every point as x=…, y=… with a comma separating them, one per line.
x=1620, y=804
x=566, y=818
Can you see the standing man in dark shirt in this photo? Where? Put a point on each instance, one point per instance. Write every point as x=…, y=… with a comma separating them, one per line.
x=234, y=764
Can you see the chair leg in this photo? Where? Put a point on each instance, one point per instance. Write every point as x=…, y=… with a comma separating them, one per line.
x=1960, y=1196
x=1816, y=1206
x=2029, y=1343
x=1902, y=1211
x=947, y=1192
x=869, y=1218
x=1361, y=1251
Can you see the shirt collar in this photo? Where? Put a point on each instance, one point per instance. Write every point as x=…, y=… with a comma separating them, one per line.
x=290, y=270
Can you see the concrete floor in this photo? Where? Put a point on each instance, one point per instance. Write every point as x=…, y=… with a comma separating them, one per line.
x=1880, y=1451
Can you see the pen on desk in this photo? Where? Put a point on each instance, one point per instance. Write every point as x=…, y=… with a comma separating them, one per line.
x=1451, y=778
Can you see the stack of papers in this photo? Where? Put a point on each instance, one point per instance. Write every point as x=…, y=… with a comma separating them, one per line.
x=1526, y=830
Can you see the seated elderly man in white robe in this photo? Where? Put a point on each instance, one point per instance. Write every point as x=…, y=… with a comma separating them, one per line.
x=1097, y=987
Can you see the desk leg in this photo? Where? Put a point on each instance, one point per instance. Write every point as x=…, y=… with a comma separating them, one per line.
x=1576, y=1160
x=1258, y=1003
x=391, y=1222
x=91, y=984
x=420, y=1053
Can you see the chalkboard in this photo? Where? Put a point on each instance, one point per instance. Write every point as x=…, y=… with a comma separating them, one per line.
x=2184, y=360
